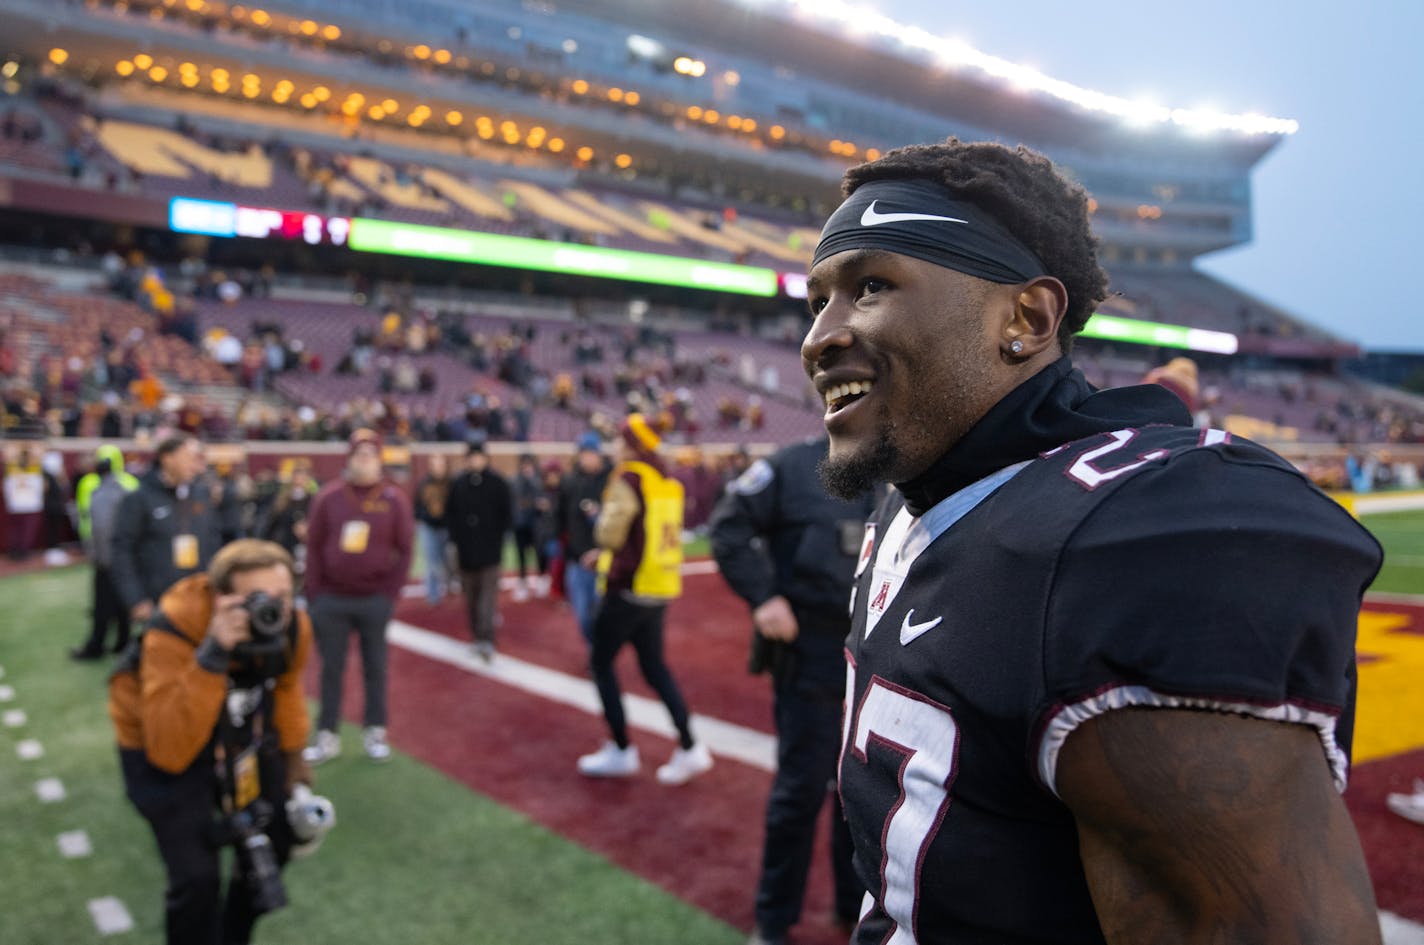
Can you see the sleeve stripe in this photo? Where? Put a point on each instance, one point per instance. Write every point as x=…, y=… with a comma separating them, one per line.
x=1064, y=719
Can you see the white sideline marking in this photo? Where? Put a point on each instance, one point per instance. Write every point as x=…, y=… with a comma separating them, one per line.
x=49, y=790
x=1398, y=502
x=74, y=844
x=14, y=718
x=29, y=749
x=7, y=693
x=109, y=915
x=1400, y=931
x=723, y=738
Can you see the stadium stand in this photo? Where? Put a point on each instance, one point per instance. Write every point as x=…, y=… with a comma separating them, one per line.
x=352, y=124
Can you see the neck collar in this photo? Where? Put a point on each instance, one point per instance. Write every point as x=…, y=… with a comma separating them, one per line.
x=1055, y=406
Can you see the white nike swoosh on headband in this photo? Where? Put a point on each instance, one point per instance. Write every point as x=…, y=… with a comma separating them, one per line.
x=871, y=218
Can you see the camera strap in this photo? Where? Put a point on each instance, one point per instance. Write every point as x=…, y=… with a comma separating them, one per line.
x=239, y=766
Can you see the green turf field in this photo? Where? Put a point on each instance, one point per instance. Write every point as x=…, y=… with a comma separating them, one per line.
x=415, y=857
x=1402, y=534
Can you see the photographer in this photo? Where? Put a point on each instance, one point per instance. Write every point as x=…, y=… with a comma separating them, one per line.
x=210, y=717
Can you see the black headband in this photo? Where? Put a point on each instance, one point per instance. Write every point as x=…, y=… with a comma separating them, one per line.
x=919, y=218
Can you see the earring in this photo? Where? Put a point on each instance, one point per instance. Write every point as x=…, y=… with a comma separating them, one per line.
x=1016, y=346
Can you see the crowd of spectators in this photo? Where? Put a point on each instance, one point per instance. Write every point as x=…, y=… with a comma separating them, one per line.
x=124, y=364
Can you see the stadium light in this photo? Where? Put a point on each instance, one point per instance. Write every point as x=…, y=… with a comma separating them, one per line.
x=956, y=53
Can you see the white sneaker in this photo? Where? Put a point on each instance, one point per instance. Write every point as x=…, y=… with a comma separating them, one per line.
x=377, y=748
x=521, y=591
x=541, y=586
x=1409, y=806
x=685, y=764
x=610, y=761
x=326, y=747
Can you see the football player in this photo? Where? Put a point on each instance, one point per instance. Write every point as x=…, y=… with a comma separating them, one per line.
x=1101, y=663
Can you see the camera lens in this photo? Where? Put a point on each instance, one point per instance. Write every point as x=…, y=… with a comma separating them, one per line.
x=265, y=614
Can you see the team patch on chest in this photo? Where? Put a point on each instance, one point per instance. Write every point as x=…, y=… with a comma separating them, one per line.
x=885, y=585
x=888, y=574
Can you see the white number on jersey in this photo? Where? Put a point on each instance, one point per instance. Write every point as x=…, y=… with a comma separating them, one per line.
x=1086, y=472
x=926, y=734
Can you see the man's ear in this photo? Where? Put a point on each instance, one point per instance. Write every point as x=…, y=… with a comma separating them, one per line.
x=1038, y=309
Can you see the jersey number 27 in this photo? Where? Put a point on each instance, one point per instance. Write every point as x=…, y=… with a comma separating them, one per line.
x=926, y=737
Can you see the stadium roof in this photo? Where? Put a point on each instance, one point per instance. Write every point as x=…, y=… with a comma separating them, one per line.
x=836, y=42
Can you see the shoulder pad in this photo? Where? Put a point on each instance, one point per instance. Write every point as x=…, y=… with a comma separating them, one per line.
x=757, y=477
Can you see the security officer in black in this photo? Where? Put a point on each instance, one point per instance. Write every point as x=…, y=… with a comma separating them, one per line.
x=790, y=550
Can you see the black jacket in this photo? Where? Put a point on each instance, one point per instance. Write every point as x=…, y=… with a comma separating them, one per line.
x=146, y=543
x=280, y=522
x=579, y=497
x=776, y=531
x=479, y=513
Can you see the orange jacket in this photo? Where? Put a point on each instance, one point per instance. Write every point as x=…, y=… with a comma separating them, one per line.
x=170, y=707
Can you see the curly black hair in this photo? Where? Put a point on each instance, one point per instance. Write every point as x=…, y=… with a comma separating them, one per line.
x=1023, y=191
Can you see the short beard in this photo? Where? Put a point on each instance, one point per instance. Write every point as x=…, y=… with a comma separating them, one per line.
x=851, y=477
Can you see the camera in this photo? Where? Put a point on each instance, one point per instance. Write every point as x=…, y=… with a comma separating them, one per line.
x=311, y=816
x=265, y=614
x=256, y=860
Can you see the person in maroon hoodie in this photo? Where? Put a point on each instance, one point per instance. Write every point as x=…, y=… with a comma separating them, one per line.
x=359, y=538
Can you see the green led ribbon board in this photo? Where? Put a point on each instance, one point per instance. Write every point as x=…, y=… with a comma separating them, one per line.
x=515, y=252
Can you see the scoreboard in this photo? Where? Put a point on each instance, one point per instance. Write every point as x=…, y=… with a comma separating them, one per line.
x=219, y=218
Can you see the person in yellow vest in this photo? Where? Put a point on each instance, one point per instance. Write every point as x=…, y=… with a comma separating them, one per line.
x=639, y=558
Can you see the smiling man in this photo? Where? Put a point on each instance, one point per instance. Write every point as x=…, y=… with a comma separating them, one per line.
x=1101, y=664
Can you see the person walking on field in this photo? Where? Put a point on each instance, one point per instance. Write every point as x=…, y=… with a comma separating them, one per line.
x=430, y=498
x=639, y=532
x=479, y=513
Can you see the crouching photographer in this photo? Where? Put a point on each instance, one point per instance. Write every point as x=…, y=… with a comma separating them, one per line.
x=210, y=717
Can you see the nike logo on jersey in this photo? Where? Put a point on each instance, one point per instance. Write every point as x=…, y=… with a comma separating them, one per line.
x=871, y=218
x=910, y=632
